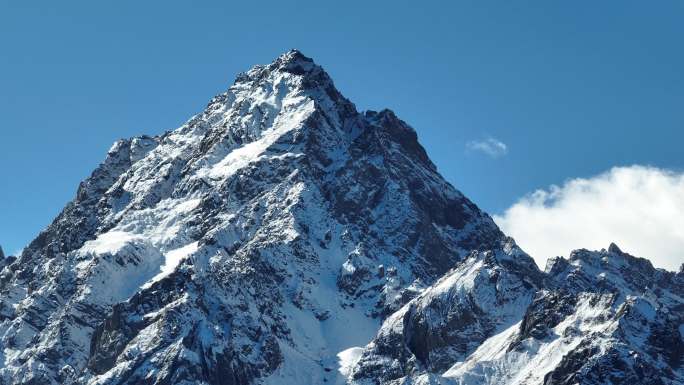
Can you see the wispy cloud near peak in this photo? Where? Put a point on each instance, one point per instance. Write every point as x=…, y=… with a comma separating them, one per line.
x=489, y=146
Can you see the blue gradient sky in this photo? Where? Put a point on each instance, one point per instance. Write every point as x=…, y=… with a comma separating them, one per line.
x=571, y=88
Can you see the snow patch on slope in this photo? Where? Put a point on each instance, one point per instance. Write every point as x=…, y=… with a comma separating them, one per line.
x=109, y=243
x=348, y=358
x=171, y=261
x=290, y=119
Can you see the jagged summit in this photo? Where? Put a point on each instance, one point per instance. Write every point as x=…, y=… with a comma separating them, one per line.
x=282, y=237
x=293, y=56
x=292, y=61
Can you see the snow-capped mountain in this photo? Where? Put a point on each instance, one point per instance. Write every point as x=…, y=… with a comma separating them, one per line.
x=283, y=237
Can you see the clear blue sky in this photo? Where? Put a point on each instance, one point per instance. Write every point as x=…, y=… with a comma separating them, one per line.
x=572, y=88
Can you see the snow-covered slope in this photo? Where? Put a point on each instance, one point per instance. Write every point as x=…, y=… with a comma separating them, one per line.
x=283, y=237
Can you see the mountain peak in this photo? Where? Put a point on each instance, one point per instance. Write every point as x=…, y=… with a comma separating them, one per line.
x=294, y=55
x=295, y=62
x=261, y=97
x=267, y=239
x=292, y=61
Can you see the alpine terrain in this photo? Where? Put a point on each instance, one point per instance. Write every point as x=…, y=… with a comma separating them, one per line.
x=283, y=237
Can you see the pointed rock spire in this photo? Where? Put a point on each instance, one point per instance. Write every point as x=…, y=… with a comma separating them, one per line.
x=613, y=248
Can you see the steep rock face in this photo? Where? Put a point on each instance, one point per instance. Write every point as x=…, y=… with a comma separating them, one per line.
x=252, y=244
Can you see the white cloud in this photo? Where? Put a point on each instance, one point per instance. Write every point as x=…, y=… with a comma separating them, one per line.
x=490, y=146
x=639, y=208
